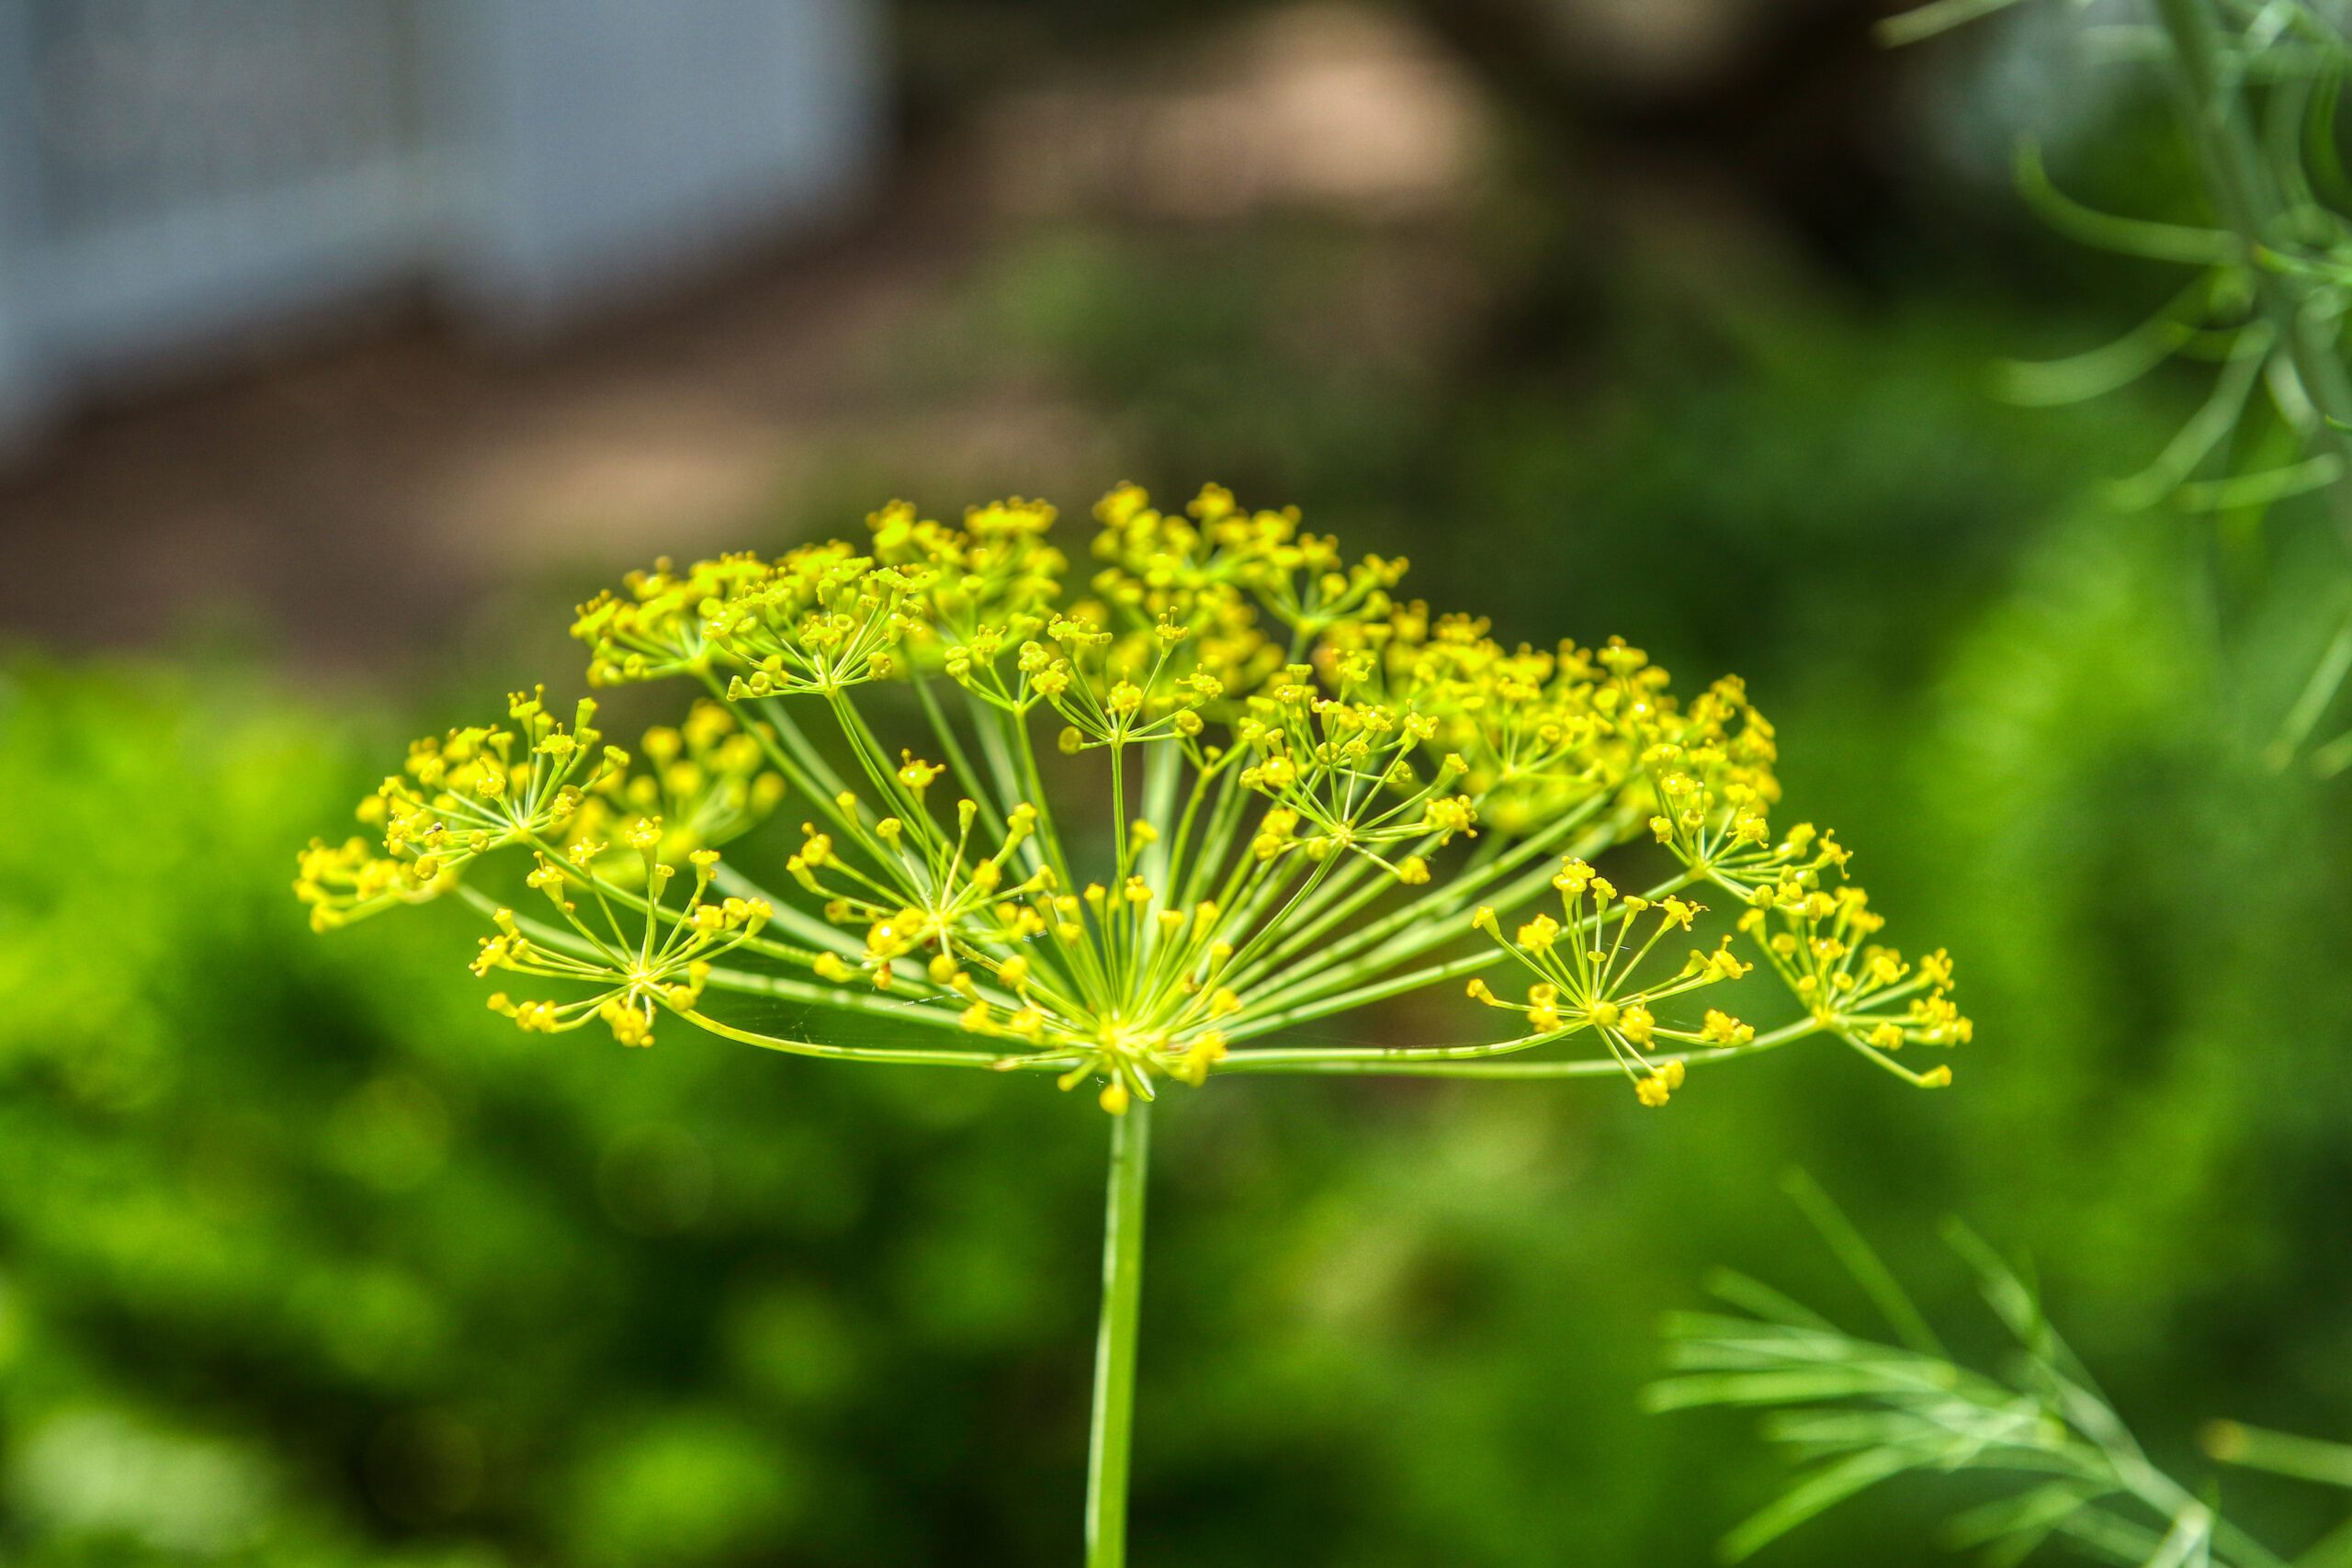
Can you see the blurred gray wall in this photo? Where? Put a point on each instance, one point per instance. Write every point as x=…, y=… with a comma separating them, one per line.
x=612, y=139
x=179, y=176
x=18, y=373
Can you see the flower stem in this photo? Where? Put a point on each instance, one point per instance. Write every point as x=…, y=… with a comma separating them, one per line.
x=1115, y=1344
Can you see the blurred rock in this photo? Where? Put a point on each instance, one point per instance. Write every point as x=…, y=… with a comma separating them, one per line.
x=1319, y=106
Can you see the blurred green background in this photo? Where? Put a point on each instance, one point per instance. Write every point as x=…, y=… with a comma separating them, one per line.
x=1678, y=323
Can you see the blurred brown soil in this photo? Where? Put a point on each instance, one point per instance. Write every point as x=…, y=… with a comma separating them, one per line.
x=358, y=493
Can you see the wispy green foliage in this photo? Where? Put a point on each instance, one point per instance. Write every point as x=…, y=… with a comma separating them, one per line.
x=1860, y=1412
x=2258, y=86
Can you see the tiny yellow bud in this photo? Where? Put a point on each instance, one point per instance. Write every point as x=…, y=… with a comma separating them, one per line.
x=1720, y=1029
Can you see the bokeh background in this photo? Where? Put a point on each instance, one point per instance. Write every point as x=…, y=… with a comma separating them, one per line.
x=343, y=347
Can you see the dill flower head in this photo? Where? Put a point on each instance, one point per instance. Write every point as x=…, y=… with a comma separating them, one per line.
x=1122, y=821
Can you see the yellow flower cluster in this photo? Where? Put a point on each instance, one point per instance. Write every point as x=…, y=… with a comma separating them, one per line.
x=665, y=968
x=458, y=798
x=707, y=780
x=1118, y=828
x=1818, y=941
x=1585, y=963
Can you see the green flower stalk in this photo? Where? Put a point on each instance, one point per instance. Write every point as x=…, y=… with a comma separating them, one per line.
x=1142, y=827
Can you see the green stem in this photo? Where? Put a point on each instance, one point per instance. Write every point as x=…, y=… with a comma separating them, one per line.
x=985, y=1060
x=1115, y=1343
x=1468, y=1061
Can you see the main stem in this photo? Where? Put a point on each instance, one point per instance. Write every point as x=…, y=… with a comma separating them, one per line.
x=1115, y=1341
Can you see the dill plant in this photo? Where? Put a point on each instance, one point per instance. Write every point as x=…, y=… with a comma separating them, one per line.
x=2257, y=93
x=1861, y=1411
x=2258, y=89
x=1143, y=826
